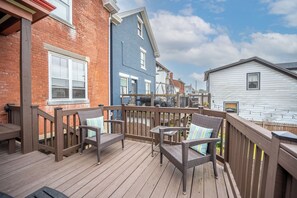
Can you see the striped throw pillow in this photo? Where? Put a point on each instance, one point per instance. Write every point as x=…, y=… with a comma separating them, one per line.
x=95, y=122
x=198, y=132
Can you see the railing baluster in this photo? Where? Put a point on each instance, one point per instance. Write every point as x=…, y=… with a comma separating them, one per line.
x=44, y=131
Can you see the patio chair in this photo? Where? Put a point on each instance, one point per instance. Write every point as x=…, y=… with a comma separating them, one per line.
x=100, y=140
x=182, y=156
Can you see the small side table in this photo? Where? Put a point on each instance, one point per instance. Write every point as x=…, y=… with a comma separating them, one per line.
x=156, y=131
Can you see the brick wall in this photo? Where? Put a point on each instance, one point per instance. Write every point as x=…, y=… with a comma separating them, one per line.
x=88, y=38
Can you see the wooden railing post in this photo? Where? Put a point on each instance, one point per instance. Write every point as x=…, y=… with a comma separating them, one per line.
x=201, y=110
x=124, y=117
x=35, y=127
x=209, y=100
x=178, y=99
x=157, y=116
x=226, y=145
x=59, y=134
x=274, y=173
x=152, y=99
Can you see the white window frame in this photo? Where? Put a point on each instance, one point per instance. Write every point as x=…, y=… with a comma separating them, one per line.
x=143, y=51
x=126, y=76
x=141, y=27
x=70, y=13
x=70, y=99
x=150, y=83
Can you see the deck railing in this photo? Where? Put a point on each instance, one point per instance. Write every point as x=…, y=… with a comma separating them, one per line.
x=258, y=163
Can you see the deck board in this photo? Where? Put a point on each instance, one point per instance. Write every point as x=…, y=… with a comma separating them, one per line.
x=131, y=172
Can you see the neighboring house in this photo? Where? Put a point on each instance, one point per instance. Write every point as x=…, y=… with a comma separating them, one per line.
x=290, y=66
x=255, y=89
x=133, y=55
x=189, y=89
x=163, y=85
x=179, y=86
x=70, y=57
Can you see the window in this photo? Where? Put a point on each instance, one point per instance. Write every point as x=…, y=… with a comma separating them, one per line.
x=142, y=58
x=68, y=78
x=253, y=81
x=123, y=85
x=139, y=27
x=63, y=9
x=147, y=87
x=231, y=107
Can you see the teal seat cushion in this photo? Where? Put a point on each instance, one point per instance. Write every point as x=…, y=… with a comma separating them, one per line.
x=198, y=132
x=95, y=122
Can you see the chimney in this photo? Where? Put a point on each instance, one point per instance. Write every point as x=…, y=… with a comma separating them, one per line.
x=171, y=75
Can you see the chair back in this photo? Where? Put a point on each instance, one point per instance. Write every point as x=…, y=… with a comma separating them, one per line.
x=208, y=122
x=84, y=115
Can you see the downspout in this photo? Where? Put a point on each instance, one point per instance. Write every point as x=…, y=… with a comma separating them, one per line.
x=109, y=62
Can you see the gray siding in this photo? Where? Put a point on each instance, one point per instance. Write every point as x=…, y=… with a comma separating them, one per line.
x=276, y=101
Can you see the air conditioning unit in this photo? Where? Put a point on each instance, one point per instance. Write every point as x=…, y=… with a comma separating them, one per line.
x=111, y=6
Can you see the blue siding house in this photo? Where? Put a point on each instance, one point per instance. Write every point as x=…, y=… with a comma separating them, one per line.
x=133, y=55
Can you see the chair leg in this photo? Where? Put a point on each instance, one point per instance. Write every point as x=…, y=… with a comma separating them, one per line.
x=161, y=159
x=82, y=145
x=98, y=156
x=215, y=169
x=185, y=181
x=123, y=144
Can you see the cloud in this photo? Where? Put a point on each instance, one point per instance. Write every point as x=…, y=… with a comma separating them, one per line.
x=187, y=11
x=215, y=6
x=130, y=4
x=191, y=40
x=285, y=8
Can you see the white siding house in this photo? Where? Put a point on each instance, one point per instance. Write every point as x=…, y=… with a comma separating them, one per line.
x=162, y=79
x=256, y=89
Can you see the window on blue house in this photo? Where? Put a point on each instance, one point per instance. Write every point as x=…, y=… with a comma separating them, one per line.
x=123, y=85
x=139, y=27
x=142, y=58
x=147, y=87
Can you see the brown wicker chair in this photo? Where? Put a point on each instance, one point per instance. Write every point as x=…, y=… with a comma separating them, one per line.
x=101, y=140
x=182, y=156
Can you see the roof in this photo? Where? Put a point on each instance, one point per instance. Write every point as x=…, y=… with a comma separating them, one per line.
x=255, y=59
x=289, y=66
x=12, y=11
x=162, y=66
x=147, y=24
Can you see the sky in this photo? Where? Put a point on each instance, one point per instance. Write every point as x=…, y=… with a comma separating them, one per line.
x=194, y=36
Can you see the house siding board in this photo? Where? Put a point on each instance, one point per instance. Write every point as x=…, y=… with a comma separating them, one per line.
x=126, y=57
x=89, y=38
x=275, y=101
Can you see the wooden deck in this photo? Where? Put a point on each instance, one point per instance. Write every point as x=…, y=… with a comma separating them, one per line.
x=131, y=172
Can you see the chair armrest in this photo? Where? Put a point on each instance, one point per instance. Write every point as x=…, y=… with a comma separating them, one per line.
x=115, y=121
x=96, y=129
x=191, y=143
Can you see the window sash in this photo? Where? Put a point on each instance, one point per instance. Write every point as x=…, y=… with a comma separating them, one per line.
x=147, y=88
x=73, y=85
x=63, y=9
x=253, y=81
x=123, y=85
x=142, y=59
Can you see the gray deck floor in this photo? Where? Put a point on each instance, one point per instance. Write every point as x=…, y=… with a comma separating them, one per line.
x=131, y=172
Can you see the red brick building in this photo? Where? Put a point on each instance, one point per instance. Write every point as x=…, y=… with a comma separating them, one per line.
x=179, y=85
x=70, y=57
